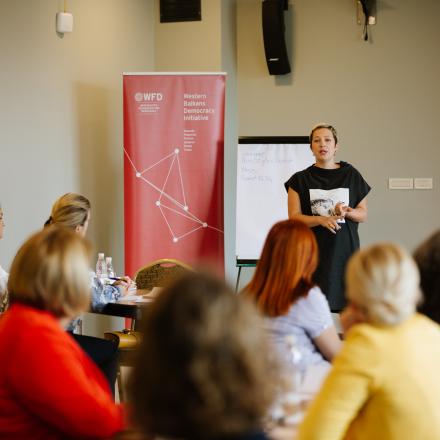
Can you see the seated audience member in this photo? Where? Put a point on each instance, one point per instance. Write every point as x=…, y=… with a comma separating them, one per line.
x=384, y=382
x=73, y=211
x=283, y=289
x=203, y=371
x=49, y=388
x=427, y=257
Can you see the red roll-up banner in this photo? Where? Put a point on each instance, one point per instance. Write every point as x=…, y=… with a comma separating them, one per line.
x=173, y=169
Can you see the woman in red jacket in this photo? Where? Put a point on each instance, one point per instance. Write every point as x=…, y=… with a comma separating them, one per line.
x=49, y=388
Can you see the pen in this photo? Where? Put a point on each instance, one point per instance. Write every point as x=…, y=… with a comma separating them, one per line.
x=132, y=283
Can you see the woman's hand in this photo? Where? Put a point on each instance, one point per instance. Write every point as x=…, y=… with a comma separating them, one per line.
x=330, y=223
x=350, y=316
x=341, y=209
x=124, y=283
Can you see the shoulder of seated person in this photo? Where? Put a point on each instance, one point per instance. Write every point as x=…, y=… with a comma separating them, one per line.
x=370, y=335
x=315, y=292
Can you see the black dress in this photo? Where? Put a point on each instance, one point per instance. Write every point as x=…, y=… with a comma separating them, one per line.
x=319, y=191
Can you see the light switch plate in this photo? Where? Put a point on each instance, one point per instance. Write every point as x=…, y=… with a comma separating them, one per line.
x=423, y=183
x=400, y=183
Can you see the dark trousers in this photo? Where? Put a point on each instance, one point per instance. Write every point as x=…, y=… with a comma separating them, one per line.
x=103, y=353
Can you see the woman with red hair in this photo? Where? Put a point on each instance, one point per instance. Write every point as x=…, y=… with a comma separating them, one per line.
x=285, y=293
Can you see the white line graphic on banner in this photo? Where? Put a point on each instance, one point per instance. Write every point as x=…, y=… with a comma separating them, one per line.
x=181, y=209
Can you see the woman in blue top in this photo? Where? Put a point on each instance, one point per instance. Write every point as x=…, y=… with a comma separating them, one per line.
x=73, y=211
x=331, y=198
x=291, y=303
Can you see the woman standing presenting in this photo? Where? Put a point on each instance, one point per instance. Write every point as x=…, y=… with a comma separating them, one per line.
x=329, y=197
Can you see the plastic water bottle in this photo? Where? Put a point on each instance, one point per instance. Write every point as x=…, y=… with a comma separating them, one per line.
x=109, y=265
x=101, y=268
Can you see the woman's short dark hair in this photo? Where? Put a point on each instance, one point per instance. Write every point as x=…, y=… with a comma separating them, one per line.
x=427, y=257
x=203, y=366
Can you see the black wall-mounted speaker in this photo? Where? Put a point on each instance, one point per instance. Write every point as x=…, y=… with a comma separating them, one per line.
x=180, y=10
x=274, y=36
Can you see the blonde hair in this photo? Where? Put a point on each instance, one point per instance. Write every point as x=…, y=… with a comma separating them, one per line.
x=50, y=272
x=328, y=127
x=383, y=279
x=70, y=210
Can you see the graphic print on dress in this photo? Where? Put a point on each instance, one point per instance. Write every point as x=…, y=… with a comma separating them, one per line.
x=323, y=202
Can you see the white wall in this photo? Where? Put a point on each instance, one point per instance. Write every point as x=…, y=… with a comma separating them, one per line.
x=61, y=101
x=381, y=95
x=190, y=46
x=61, y=113
x=209, y=45
x=229, y=65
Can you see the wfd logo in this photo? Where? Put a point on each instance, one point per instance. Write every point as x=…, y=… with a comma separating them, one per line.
x=148, y=96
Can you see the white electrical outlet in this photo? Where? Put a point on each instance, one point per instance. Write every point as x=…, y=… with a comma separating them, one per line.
x=400, y=183
x=64, y=22
x=423, y=183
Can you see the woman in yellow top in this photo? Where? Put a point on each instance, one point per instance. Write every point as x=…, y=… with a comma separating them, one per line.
x=384, y=383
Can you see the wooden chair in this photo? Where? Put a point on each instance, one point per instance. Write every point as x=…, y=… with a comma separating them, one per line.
x=160, y=273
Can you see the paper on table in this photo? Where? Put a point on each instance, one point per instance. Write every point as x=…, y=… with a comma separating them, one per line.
x=131, y=297
x=143, y=297
x=135, y=298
